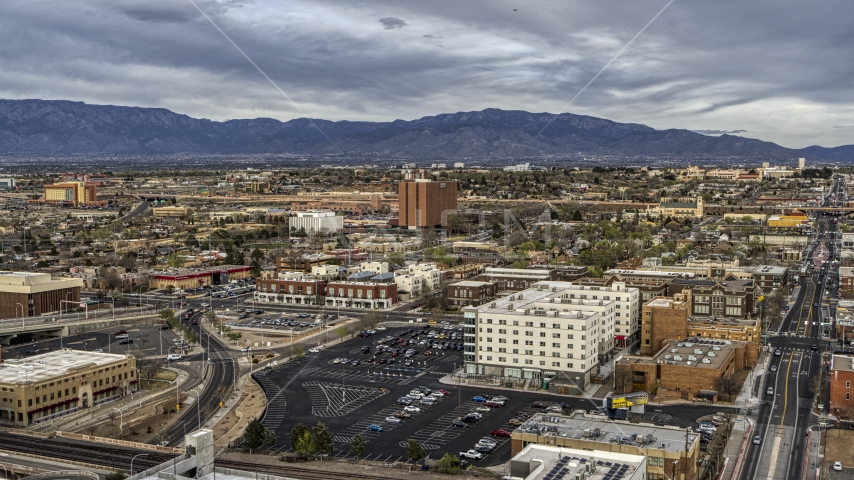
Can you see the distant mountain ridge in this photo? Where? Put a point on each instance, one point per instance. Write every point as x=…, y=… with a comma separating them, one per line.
x=66, y=127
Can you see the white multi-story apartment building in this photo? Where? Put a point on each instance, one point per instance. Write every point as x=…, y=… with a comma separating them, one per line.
x=431, y=273
x=374, y=267
x=552, y=328
x=408, y=284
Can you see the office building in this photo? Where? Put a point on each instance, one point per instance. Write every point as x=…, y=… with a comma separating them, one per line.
x=170, y=212
x=470, y=292
x=663, y=446
x=70, y=193
x=731, y=298
x=426, y=203
x=316, y=222
x=7, y=183
x=42, y=387
x=25, y=294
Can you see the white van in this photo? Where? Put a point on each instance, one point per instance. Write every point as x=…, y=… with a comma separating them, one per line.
x=122, y=336
x=173, y=357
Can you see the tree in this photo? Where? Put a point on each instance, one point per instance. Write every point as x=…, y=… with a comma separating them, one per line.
x=297, y=432
x=322, y=439
x=815, y=386
x=148, y=368
x=297, y=352
x=174, y=260
x=414, y=450
x=304, y=444
x=358, y=445
x=341, y=331
x=728, y=385
x=449, y=464
x=257, y=435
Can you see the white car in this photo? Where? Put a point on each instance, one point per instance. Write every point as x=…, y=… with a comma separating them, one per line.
x=392, y=419
x=337, y=361
x=837, y=466
x=173, y=357
x=206, y=305
x=313, y=350
x=381, y=328
x=410, y=408
x=245, y=349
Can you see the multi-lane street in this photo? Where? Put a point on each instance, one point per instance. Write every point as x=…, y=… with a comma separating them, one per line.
x=794, y=355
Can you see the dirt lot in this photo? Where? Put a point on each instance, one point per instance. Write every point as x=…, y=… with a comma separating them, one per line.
x=838, y=447
x=250, y=405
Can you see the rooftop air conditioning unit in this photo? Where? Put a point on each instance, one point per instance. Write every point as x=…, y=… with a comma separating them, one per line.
x=697, y=351
x=689, y=344
x=716, y=348
x=678, y=358
x=688, y=363
x=711, y=354
x=692, y=358
x=706, y=360
x=667, y=357
x=674, y=350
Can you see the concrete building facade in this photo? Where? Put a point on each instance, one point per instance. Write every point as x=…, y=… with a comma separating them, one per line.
x=369, y=295
x=315, y=222
x=25, y=294
x=70, y=193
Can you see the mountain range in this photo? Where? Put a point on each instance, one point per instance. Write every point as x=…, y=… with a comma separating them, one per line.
x=65, y=127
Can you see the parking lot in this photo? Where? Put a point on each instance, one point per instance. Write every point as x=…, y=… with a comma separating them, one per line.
x=350, y=398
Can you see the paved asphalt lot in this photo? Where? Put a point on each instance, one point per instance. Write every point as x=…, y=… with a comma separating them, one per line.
x=146, y=342
x=348, y=399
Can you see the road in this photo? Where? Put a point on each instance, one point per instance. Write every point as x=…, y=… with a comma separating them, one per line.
x=795, y=357
x=223, y=367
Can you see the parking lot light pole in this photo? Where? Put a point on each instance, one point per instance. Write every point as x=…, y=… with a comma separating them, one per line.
x=134, y=458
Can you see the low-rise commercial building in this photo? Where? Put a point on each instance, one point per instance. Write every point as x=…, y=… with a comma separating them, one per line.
x=289, y=288
x=545, y=462
x=686, y=370
x=369, y=295
x=26, y=294
x=731, y=297
x=517, y=279
x=170, y=212
x=664, y=447
x=45, y=386
x=184, y=278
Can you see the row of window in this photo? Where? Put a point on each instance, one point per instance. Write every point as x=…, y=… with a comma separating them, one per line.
x=531, y=352
x=529, y=362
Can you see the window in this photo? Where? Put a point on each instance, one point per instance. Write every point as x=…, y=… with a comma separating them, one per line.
x=542, y=344
x=516, y=350
x=489, y=357
x=502, y=340
x=488, y=330
x=701, y=309
x=542, y=334
x=555, y=325
x=515, y=342
x=848, y=384
x=556, y=354
x=555, y=364
x=515, y=360
x=542, y=362
x=502, y=359
x=556, y=345
x=502, y=322
x=529, y=333
x=542, y=353
x=529, y=362
x=502, y=331
x=555, y=335
x=529, y=352
x=515, y=332
x=529, y=342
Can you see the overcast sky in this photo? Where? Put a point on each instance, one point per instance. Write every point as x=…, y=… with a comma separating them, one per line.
x=777, y=71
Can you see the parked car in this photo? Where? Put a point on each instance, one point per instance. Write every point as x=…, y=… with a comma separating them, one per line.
x=375, y=428
x=478, y=398
x=392, y=419
x=402, y=414
x=459, y=423
x=413, y=409
x=516, y=422
x=126, y=341
x=473, y=454
x=313, y=350
x=500, y=433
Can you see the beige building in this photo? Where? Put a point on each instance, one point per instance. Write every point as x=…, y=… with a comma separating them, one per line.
x=172, y=211
x=680, y=208
x=70, y=193
x=42, y=387
x=663, y=446
x=27, y=294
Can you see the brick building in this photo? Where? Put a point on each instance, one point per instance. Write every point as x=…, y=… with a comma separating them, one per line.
x=842, y=386
x=470, y=292
x=197, y=277
x=289, y=288
x=25, y=294
x=730, y=297
x=369, y=295
x=425, y=203
x=685, y=370
x=517, y=279
x=663, y=318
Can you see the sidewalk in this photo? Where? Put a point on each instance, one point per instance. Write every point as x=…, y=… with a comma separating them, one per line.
x=736, y=447
x=745, y=398
x=813, y=459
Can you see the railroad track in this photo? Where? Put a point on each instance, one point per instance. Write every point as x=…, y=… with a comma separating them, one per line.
x=74, y=450
x=294, y=472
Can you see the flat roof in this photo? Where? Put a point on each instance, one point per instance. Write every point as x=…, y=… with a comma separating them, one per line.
x=842, y=362
x=695, y=353
x=579, y=424
x=50, y=365
x=469, y=283
x=563, y=463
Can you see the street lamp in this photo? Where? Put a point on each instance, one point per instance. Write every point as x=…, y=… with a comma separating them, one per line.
x=22, y=313
x=134, y=458
x=121, y=420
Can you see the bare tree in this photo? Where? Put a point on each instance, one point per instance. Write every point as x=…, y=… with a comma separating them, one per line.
x=728, y=385
x=148, y=368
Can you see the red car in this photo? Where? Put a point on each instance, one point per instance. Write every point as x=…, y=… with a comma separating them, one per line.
x=500, y=433
x=444, y=392
x=492, y=404
x=428, y=353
